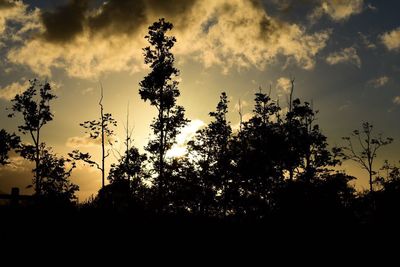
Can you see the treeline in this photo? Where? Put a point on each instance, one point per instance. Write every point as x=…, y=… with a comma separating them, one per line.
x=277, y=165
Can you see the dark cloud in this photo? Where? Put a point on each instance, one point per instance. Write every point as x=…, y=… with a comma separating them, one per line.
x=293, y=11
x=171, y=8
x=177, y=11
x=267, y=28
x=112, y=17
x=5, y=4
x=119, y=16
x=126, y=16
x=66, y=22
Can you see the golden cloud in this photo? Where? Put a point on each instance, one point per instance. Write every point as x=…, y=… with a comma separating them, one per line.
x=379, y=82
x=348, y=54
x=86, y=141
x=187, y=133
x=396, y=100
x=82, y=141
x=10, y=91
x=337, y=10
x=283, y=86
x=391, y=39
x=230, y=34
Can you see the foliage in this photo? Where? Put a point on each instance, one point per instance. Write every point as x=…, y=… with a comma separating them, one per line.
x=276, y=167
x=362, y=146
x=160, y=88
x=102, y=130
x=34, y=106
x=130, y=165
x=7, y=143
x=210, y=149
x=55, y=174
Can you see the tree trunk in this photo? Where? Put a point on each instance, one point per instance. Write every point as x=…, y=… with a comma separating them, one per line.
x=102, y=152
x=37, y=163
x=37, y=174
x=370, y=181
x=162, y=144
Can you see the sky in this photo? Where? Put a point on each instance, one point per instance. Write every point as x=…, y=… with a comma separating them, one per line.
x=343, y=54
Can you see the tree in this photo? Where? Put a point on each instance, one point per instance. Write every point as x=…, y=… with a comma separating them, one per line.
x=34, y=106
x=258, y=149
x=309, y=153
x=7, y=143
x=54, y=173
x=211, y=150
x=160, y=88
x=129, y=166
x=98, y=129
x=362, y=146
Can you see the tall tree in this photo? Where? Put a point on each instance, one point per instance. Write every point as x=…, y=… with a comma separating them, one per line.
x=98, y=129
x=34, y=106
x=308, y=147
x=259, y=149
x=362, y=146
x=211, y=150
x=160, y=88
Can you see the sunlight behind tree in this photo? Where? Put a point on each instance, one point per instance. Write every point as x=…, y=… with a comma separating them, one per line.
x=188, y=132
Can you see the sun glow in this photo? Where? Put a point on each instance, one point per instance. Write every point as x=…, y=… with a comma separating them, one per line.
x=188, y=132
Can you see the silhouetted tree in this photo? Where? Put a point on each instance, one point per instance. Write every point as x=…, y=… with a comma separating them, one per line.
x=308, y=146
x=160, y=88
x=55, y=183
x=130, y=165
x=34, y=106
x=362, y=146
x=211, y=150
x=126, y=181
x=258, y=149
x=98, y=129
x=7, y=143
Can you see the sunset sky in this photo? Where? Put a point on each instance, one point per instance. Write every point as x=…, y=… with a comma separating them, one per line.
x=344, y=55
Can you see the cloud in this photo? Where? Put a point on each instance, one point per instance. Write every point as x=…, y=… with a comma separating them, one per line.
x=83, y=58
x=313, y=10
x=283, y=86
x=391, y=39
x=379, y=82
x=371, y=7
x=16, y=20
x=115, y=17
x=17, y=163
x=344, y=107
x=112, y=17
x=8, y=11
x=88, y=90
x=82, y=141
x=366, y=42
x=187, y=133
x=87, y=42
x=348, y=54
x=241, y=34
x=246, y=117
x=337, y=10
x=396, y=100
x=66, y=22
x=243, y=104
x=86, y=141
x=10, y=91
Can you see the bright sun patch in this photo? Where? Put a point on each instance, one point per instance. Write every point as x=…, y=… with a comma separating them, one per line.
x=187, y=134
